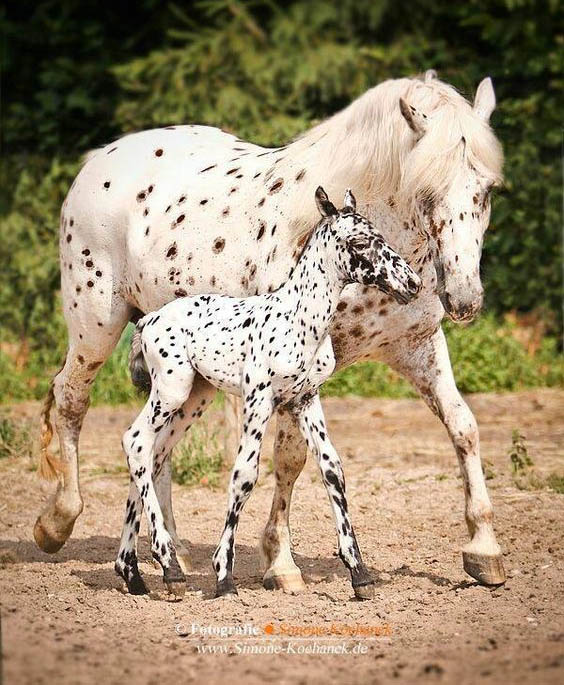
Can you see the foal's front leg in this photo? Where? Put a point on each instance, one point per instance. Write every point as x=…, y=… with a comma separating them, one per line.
x=312, y=425
x=256, y=412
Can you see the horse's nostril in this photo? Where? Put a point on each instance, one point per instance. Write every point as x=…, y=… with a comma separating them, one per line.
x=414, y=286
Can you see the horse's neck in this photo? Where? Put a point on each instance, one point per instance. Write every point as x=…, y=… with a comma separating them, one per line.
x=400, y=230
x=314, y=287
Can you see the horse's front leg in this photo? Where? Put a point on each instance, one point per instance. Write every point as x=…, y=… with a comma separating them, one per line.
x=290, y=451
x=428, y=368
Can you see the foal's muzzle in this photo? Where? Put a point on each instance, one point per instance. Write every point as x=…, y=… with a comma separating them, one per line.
x=410, y=292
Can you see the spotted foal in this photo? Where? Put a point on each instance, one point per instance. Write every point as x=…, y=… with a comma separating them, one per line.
x=272, y=350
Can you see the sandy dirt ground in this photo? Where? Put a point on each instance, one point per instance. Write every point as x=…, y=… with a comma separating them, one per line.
x=66, y=619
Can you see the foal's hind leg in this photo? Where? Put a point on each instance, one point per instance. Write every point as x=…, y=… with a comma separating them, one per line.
x=91, y=342
x=126, y=563
x=428, y=368
x=200, y=398
x=167, y=396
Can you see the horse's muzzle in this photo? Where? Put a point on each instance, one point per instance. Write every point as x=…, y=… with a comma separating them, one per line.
x=462, y=311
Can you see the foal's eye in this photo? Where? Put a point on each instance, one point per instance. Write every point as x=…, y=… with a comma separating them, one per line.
x=359, y=243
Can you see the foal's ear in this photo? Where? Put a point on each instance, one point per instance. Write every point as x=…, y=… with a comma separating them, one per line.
x=350, y=201
x=324, y=204
x=416, y=120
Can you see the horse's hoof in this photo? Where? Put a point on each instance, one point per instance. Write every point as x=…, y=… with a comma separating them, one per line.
x=365, y=591
x=176, y=587
x=291, y=583
x=226, y=588
x=487, y=570
x=47, y=541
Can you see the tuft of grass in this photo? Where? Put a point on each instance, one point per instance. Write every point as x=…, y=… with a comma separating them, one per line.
x=556, y=482
x=519, y=454
x=198, y=458
x=488, y=468
x=15, y=437
x=522, y=464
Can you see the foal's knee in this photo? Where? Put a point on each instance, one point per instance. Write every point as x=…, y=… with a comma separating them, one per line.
x=245, y=480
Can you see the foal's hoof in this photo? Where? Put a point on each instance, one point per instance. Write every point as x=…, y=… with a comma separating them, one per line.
x=226, y=588
x=365, y=591
x=362, y=582
x=136, y=585
x=131, y=576
x=174, y=577
x=291, y=583
x=487, y=570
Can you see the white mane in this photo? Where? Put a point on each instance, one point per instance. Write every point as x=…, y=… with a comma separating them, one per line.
x=370, y=147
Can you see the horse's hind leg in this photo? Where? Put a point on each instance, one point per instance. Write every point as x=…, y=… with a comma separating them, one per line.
x=281, y=571
x=91, y=342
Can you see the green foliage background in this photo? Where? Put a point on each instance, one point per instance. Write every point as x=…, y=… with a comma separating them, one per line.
x=79, y=73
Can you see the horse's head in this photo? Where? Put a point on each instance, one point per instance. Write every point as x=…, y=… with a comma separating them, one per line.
x=362, y=254
x=450, y=169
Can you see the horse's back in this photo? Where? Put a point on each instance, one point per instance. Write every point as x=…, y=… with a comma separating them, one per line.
x=176, y=211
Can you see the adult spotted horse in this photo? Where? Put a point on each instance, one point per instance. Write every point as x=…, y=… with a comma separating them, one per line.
x=185, y=210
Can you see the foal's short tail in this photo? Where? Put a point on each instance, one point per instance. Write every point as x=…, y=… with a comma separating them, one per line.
x=139, y=375
x=49, y=465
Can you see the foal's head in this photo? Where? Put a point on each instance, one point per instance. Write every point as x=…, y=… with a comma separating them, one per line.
x=362, y=254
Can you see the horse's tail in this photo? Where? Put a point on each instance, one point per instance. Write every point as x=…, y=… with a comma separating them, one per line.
x=49, y=465
x=140, y=377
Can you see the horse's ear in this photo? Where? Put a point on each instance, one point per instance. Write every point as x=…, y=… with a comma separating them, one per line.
x=429, y=75
x=324, y=204
x=484, y=102
x=350, y=201
x=416, y=120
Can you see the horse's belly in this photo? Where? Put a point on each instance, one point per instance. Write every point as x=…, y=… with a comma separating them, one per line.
x=191, y=261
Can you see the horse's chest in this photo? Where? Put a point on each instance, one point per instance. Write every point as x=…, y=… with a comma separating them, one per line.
x=371, y=325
